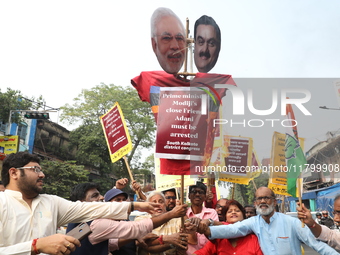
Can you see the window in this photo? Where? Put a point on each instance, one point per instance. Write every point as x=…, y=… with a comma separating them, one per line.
x=3, y=127
x=22, y=131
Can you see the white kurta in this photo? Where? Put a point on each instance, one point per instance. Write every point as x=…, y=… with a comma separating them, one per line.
x=20, y=224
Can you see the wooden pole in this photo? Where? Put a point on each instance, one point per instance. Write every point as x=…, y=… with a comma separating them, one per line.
x=189, y=41
x=186, y=74
x=233, y=191
x=186, y=49
x=211, y=183
x=254, y=184
x=130, y=173
x=300, y=197
x=283, y=204
x=182, y=198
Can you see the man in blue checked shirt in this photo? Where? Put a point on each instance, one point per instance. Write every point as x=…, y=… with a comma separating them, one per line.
x=278, y=234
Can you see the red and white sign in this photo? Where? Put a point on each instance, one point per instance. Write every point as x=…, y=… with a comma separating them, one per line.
x=181, y=124
x=116, y=133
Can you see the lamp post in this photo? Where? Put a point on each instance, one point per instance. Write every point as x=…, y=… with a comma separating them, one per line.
x=327, y=108
x=9, y=121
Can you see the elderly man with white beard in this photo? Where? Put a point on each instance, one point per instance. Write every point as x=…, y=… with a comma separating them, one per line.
x=278, y=234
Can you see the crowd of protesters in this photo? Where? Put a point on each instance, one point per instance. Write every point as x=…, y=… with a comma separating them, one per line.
x=29, y=220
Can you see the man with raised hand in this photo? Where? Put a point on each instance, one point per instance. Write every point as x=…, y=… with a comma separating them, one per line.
x=28, y=219
x=197, y=196
x=110, y=235
x=170, y=199
x=278, y=234
x=322, y=232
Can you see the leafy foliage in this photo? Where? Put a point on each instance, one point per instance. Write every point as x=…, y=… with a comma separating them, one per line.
x=89, y=137
x=61, y=177
x=14, y=100
x=245, y=194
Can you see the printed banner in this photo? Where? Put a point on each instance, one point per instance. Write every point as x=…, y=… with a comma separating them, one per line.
x=165, y=182
x=257, y=168
x=9, y=144
x=278, y=173
x=116, y=133
x=182, y=123
x=148, y=85
x=238, y=162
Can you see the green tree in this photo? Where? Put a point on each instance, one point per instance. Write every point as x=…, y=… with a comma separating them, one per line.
x=89, y=137
x=14, y=100
x=61, y=177
x=245, y=194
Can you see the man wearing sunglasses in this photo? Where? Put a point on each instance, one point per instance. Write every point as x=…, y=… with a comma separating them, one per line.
x=327, y=220
x=322, y=232
x=197, y=195
x=28, y=219
x=170, y=199
x=278, y=234
x=221, y=203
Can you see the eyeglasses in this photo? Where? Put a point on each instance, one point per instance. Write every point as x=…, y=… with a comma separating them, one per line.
x=266, y=199
x=201, y=192
x=171, y=197
x=325, y=214
x=34, y=168
x=219, y=206
x=337, y=213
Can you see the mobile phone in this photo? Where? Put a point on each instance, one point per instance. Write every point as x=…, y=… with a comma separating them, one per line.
x=81, y=231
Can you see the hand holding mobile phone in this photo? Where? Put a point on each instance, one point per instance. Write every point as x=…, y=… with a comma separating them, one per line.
x=81, y=231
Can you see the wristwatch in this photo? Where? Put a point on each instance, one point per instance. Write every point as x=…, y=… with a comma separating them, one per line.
x=211, y=222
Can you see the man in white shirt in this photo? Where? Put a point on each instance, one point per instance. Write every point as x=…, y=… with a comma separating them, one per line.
x=2, y=187
x=28, y=219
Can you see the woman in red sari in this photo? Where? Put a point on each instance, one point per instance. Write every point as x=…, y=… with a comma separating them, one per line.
x=247, y=245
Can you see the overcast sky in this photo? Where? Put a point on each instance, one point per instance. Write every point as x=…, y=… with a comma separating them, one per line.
x=57, y=48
